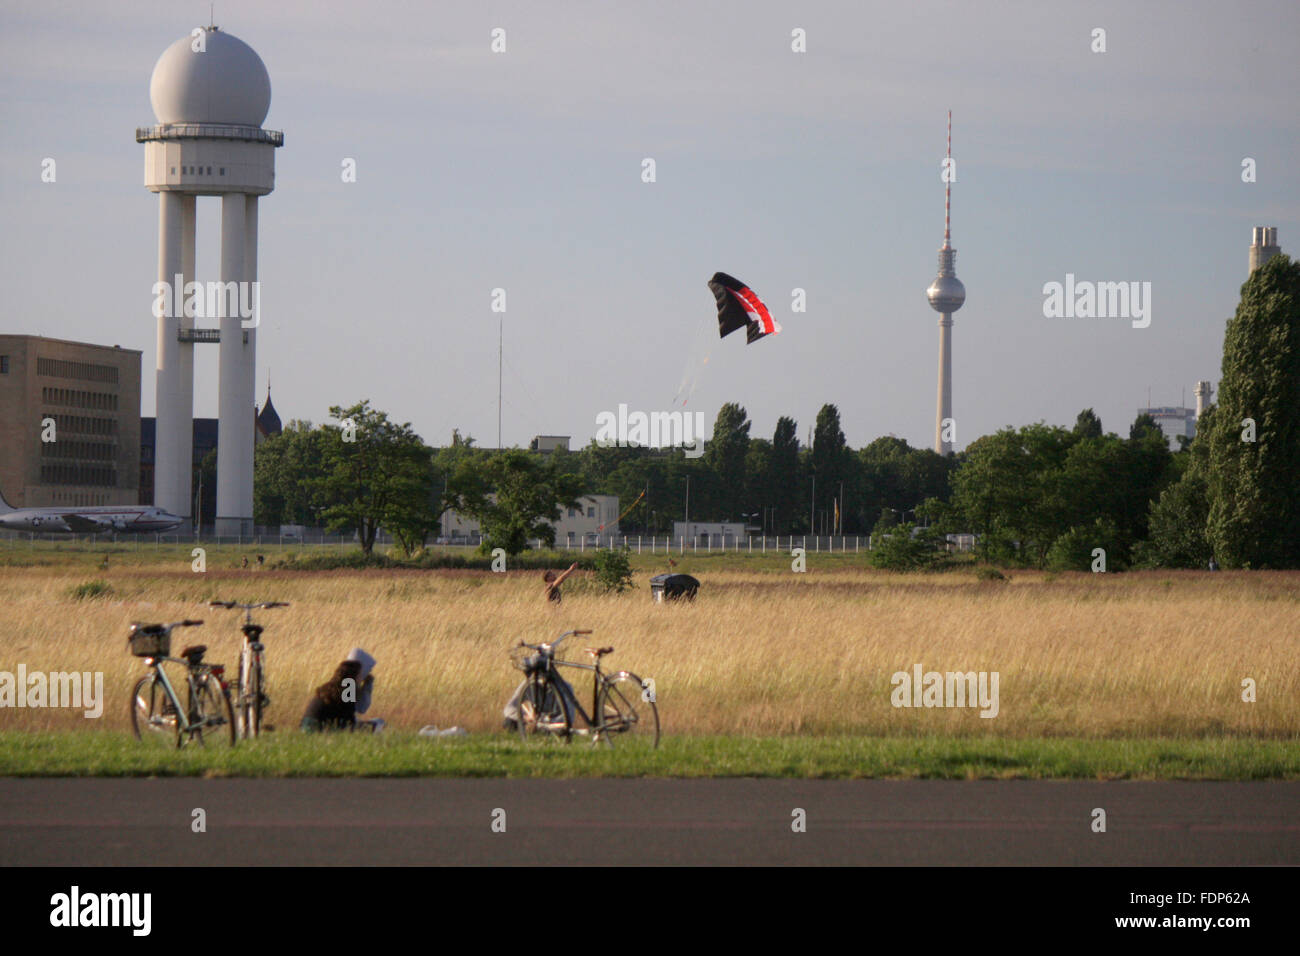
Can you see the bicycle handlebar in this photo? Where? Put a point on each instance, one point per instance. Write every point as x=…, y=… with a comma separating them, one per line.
x=231, y=605
x=538, y=647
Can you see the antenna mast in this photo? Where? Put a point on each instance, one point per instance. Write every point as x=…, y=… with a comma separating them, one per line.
x=501, y=333
x=947, y=190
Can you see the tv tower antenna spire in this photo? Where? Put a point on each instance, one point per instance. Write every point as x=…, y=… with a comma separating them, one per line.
x=946, y=295
x=947, y=190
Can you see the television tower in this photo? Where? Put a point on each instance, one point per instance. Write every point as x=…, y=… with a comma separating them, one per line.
x=946, y=295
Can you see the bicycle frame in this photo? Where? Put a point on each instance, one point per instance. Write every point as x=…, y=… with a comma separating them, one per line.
x=550, y=675
x=597, y=674
x=182, y=713
x=250, y=656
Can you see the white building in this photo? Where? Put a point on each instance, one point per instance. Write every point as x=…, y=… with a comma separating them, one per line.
x=1174, y=421
x=710, y=534
x=593, y=524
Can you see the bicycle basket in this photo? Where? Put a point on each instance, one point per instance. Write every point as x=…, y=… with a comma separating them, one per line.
x=150, y=640
x=521, y=658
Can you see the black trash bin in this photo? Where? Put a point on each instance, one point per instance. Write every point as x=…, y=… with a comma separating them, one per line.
x=670, y=587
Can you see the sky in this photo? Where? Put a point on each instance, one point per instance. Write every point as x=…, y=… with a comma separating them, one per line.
x=816, y=170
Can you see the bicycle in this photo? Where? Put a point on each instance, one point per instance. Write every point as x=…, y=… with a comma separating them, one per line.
x=156, y=711
x=251, y=690
x=623, y=705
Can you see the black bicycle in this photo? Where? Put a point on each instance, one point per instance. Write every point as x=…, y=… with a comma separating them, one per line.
x=624, y=710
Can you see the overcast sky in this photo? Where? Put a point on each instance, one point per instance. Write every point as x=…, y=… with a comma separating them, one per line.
x=816, y=170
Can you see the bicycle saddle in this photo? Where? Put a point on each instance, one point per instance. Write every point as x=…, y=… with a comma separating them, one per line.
x=147, y=629
x=194, y=653
x=252, y=630
x=599, y=651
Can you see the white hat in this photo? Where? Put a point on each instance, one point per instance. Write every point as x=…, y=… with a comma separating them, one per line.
x=365, y=660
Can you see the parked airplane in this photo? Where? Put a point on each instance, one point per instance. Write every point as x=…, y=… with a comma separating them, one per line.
x=91, y=519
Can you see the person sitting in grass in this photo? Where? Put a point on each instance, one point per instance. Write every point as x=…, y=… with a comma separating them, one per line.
x=553, y=582
x=336, y=703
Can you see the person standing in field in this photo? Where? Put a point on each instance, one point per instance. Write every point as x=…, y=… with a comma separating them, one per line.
x=554, y=581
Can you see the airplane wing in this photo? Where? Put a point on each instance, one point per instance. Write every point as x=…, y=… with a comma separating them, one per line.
x=84, y=525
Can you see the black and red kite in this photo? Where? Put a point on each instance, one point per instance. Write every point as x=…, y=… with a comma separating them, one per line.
x=739, y=307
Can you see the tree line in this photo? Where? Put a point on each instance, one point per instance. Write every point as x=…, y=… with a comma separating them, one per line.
x=1037, y=495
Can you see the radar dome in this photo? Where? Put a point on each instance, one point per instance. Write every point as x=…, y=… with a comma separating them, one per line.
x=225, y=83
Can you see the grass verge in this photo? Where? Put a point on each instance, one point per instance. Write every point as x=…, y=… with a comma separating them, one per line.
x=115, y=754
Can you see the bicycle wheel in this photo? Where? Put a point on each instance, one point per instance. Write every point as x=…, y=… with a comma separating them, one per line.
x=211, y=715
x=153, y=716
x=627, y=718
x=250, y=695
x=541, y=712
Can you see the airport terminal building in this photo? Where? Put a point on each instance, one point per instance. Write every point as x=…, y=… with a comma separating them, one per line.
x=90, y=455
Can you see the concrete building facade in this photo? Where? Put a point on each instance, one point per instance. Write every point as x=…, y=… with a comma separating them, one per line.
x=69, y=423
x=709, y=534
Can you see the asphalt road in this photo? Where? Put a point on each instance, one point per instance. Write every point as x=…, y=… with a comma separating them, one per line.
x=95, y=822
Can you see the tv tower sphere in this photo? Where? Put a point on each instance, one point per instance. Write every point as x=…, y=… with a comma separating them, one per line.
x=210, y=93
x=946, y=292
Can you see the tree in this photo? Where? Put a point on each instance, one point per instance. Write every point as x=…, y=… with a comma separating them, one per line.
x=1144, y=424
x=1076, y=550
x=376, y=473
x=725, y=457
x=1009, y=490
x=613, y=569
x=784, y=474
x=829, y=457
x=1177, y=525
x=288, y=470
x=906, y=547
x=1087, y=425
x=1254, y=442
x=514, y=496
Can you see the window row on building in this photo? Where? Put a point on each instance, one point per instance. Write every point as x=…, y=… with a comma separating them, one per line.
x=102, y=476
x=83, y=371
x=78, y=398
x=83, y=424
x=199, y=170
x=93, y=450
x=80, y=498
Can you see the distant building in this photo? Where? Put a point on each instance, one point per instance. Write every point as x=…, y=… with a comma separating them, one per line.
x=592, y=524
x=204, y=442
x=266, y=422
x=709, y=534
x=69, y=423
x=1263, y=246
x=1204, y=394
x=1174, y=421
x=548, y=443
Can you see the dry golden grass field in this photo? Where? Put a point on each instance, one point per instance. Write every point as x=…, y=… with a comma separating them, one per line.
x=762, y=652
